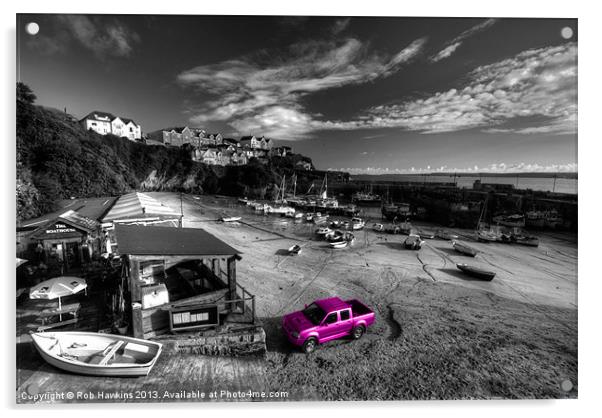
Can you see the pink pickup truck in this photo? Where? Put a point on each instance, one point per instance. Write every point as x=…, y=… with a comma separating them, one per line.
x=325, y=320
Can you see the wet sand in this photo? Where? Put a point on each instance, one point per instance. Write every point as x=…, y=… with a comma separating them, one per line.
x=438, y=334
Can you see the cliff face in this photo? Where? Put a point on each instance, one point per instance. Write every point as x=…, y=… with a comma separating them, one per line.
x=57, y=159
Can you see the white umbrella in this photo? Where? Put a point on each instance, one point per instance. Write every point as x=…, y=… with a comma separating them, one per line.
x=58, y=287
x=20, y=261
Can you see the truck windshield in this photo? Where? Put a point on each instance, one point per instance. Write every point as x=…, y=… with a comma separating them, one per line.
x=314, y=313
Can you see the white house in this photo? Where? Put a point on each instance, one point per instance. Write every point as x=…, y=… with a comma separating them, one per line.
x=131, y=130
x=105, y=123
x=117, y=127
x=99, y=122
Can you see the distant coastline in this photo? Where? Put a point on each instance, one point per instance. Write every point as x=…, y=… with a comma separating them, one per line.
x=404, y=177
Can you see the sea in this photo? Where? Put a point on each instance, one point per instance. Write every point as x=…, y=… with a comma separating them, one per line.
x=548, y=184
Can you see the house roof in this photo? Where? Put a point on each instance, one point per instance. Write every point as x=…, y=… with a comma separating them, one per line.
x=71, y=218
x=247, y=138
x=99, y=116
x=157, y=240
x=138, y=206
x=126, y=121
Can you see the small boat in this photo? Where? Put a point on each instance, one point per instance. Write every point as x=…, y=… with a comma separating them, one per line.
x=298, y=215
x=405, y=228
x=477, y=272
x=413, y=242
x=493, y=234
x=446, y=235
x=339, y=244
x=336, y=236
x=319, y=218
x=425, y=234
x=529, y=240
x=336, y=224
x=378, y=227
x=309, y=217
x=357, y=224
x=515, y=221
x=294, y=250
x=392, y=229
x=231, y=218
x=464, y=249
x=97, y=354
x=324, y=231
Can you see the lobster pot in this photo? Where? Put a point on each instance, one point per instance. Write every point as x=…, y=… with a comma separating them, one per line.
x=154, y=296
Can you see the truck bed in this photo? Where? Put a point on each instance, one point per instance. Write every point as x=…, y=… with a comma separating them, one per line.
x=358, y=308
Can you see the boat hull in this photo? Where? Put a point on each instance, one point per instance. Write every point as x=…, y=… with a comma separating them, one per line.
x=77, y=367
x=476, y=272
x=464, y=249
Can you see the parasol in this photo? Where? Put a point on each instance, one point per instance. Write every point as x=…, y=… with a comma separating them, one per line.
x=57, y=288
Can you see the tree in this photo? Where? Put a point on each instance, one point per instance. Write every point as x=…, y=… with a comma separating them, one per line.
x=25, y=94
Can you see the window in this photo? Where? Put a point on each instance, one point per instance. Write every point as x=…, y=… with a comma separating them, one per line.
x=345, y=315
x=331, y=319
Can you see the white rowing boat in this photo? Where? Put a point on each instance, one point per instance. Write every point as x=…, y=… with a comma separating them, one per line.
x=97, y=354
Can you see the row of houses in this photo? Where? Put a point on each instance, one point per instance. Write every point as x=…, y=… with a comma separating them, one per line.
x=105, y=123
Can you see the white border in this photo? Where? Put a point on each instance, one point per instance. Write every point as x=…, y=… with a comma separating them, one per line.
x=590, y=209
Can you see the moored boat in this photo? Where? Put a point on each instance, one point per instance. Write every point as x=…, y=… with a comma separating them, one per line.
x=294, y=250
x=339, y=244
x=464, y=249
x=378, y=227
x=446, y=235
x=477, y=272
x=96, y=354
x=413, y=242
x=357, y=224
x=324, y=231
x=426, y=234
x=231, y=218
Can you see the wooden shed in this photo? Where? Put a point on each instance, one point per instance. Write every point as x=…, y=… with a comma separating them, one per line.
x=180, y=279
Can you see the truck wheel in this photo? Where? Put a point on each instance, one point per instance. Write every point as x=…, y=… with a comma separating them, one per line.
x=310, y=345
x=358, y=332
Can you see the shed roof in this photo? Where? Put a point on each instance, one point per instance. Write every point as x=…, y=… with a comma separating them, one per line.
x=138, y=206
x=156, y=240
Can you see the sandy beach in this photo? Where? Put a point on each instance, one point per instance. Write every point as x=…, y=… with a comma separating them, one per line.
x=438, y=334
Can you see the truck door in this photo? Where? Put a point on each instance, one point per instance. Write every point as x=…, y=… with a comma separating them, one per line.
x=345, y=321
x=329, y=328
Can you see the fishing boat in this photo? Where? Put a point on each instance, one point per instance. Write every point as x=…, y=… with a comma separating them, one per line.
x=366, y=198
x=324, y=230
x=405, y=228
x=464, y=249
x=97, y=354
x=378, y=227
x=294, y=250
x=231, y=218
x=413, y=242
x=357, y=224
x=516, y=220
x=339, y=244
x=446, y=235
x=477, y=272
x=426, y=234
x=485, y=235
x=319, y=218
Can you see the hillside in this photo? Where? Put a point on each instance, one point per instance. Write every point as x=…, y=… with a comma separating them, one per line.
x=57, y=159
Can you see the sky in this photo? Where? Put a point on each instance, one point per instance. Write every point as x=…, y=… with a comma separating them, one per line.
x=360, y=94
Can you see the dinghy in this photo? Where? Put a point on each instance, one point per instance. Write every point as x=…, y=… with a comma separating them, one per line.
x=446, y=235
x=231, y=218
x=294, y=250
x=413, y=242
x=477, y=272
x=339, y=244
x=464, y=249
x=97, y=354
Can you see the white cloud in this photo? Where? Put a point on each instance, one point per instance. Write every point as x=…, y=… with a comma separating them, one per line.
x=112, y=39
x=264, y=98
x=492, y=168
x=538, y=83
x=455, y=43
